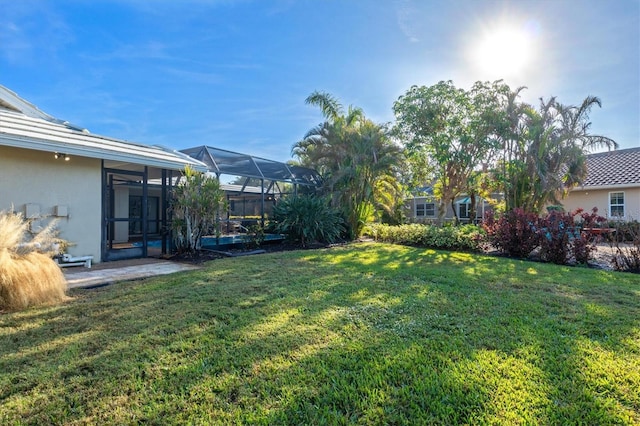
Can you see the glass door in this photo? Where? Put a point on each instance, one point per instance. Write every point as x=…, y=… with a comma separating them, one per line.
x=125, y=205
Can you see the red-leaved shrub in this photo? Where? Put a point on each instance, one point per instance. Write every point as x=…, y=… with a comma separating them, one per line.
x=560, y=237
x=515, y=233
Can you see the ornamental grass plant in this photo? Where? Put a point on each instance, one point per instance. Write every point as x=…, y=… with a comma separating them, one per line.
x=28, y=275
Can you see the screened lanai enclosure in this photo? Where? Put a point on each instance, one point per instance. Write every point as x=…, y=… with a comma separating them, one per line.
x=136, y=199
x=135, y=210
x=252, y=185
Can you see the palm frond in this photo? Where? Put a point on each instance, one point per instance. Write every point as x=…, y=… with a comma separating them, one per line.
x=329, y=105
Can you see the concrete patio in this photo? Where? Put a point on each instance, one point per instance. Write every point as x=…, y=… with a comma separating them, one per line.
x=111, y=272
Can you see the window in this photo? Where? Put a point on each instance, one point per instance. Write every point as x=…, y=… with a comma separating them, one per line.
x=616, y=204
x=425, y=209
x=464, y=210
x=430, y=209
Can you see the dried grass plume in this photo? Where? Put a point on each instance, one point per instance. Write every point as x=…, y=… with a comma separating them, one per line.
x=28, y=275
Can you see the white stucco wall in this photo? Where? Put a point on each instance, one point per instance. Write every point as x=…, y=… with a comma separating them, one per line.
x=37, y=178
x=588, y=199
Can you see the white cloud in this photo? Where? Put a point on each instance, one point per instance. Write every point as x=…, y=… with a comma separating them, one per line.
x=405, y=17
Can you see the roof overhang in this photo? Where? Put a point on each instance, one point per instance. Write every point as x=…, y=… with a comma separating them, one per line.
x=605, y=187
x=21, y=131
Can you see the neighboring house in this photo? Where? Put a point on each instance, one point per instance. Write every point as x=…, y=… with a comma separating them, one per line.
x=423, y=207
x=612, y=185
x=110, y=196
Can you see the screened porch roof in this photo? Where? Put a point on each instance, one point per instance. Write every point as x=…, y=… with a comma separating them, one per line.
x=221, y=161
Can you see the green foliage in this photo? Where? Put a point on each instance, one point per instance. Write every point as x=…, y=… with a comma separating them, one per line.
x=453, y=128
x=196, y=204
x=544, y=150
x=372, y=334
x=535, y=155
x=464, y=238
x=254, y=237
x=357, y=160
x=306, y=219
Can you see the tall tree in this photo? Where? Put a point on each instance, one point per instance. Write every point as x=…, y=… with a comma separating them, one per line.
x=536, y=154
x=451, y=127
x=575, y=124
x=353, y=155
x=550, y=156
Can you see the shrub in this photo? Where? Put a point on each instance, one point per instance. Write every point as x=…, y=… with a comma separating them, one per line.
x=515, y=233
x=465, y=238
x=29, y=276
x=624, y=231
x=196, y=204
x=255, y=236
x=562, y=238
x=558, y=235
x=585, y=245
x=625, y=242
x=307, y=218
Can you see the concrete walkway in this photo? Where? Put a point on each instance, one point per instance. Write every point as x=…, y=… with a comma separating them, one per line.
x=112, y=272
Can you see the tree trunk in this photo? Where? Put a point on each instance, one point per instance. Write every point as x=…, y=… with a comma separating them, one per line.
x=456, y=219
x=442, y=211
x=472, y=209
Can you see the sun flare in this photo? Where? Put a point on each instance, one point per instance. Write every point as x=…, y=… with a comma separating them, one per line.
x=504, y=52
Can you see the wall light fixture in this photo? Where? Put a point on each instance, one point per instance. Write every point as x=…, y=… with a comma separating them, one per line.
x=59, y=155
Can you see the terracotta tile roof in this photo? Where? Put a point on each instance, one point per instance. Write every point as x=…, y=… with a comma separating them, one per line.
x=613, y=168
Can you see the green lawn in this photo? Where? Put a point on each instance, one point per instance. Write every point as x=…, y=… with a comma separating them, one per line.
x=362, y=334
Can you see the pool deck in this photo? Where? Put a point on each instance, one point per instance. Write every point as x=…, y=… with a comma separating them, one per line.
x=111, y=272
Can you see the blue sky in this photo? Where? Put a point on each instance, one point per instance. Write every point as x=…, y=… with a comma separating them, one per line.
x=234, y=74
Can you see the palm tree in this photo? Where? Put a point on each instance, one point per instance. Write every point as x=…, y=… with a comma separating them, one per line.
x=551, y=156
x=575, y=124
x=352, y=154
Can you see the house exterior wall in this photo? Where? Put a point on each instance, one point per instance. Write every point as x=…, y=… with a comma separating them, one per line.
x=588, y=199
x=36, y=180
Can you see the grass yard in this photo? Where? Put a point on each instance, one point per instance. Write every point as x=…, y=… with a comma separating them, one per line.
x=362, y=334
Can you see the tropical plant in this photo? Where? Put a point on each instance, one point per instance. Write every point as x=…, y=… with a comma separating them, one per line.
x=255, y=236
x=544, y=150
x=357, y=159
x=558, y=235
x=196, y=205
x=306, y=219
x=28, y=274
x=536, y=154
x=390, y=200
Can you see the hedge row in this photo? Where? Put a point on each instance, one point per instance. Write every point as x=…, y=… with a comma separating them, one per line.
x=464, y=238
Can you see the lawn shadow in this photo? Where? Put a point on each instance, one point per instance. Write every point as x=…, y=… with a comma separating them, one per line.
x=372, y=334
